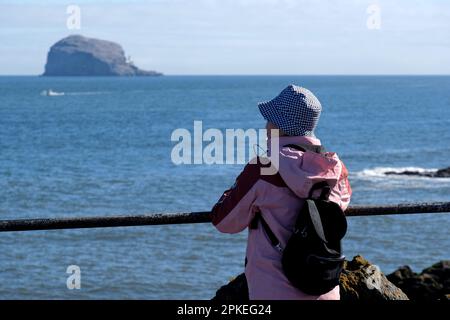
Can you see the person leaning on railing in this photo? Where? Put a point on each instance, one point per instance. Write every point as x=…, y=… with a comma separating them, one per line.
x=278, y=198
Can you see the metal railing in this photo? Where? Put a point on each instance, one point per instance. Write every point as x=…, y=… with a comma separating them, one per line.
x=195, y=217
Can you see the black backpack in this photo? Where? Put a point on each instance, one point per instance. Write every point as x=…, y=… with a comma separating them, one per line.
x=312, y=259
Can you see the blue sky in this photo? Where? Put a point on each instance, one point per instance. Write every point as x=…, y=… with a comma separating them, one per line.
x=239, y=36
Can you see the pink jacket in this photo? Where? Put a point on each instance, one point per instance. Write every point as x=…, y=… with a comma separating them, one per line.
x=279, y=206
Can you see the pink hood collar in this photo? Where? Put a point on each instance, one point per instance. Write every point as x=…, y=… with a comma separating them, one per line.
x=301, y=170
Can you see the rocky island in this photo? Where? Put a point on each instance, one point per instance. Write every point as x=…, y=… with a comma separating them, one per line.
x=77, y=55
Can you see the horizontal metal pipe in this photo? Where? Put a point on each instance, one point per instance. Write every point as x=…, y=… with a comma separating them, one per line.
x=194, y=217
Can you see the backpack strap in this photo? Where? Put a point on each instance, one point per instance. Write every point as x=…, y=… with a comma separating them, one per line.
x=313, y=214
x=272, y=237
x=316, y=220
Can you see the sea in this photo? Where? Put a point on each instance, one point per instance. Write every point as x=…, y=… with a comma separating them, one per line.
x=74, y=146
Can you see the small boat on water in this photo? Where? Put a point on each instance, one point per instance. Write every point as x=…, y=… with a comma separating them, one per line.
x=51, y=93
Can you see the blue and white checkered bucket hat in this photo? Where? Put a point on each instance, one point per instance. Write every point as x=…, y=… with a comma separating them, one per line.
x=296, y=111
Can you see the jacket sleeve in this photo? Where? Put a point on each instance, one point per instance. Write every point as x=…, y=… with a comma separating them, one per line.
x=344, y=188
x=234, y=210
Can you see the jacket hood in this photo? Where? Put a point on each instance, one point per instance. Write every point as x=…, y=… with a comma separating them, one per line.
x=301, y=170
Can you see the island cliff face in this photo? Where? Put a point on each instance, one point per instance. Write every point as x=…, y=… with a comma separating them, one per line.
x=81, y=56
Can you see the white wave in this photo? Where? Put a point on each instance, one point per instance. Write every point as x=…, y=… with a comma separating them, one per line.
x=380, y=172
x=87, y=93
x=51, y=93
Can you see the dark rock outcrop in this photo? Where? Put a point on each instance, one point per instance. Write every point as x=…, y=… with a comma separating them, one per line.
x=235, y=290
x=363, y=281
x=432, y=284
x=81, y=56
x=442, y=173
x=360, y=281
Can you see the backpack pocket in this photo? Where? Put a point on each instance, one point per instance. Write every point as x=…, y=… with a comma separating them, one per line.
x=312, y=263
x=310, y=272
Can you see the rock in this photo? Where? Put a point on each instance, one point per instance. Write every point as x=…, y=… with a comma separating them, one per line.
x=360, y=280
x=432, y=284
x=235, y=290
x=81, y=56
x=442, y=173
